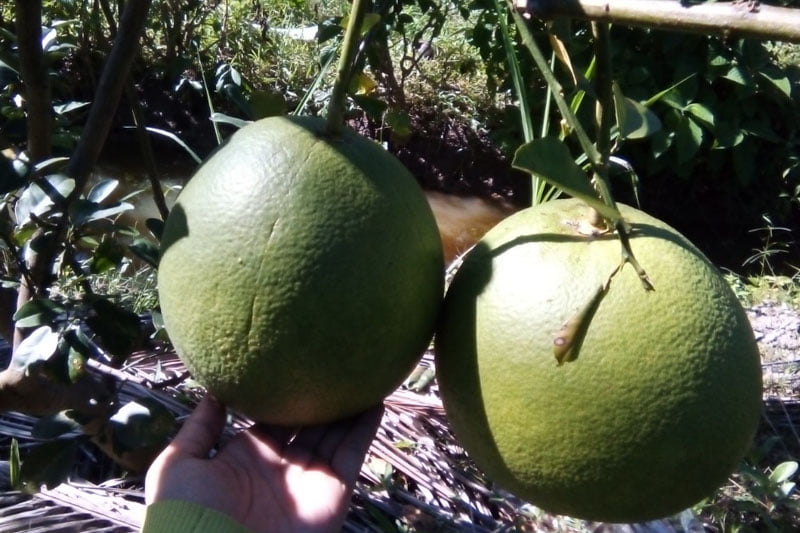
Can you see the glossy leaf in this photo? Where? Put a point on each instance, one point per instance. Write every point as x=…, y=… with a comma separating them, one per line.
x=38, y=312
x=41, y=196
x=79, y=349
x=107, y=256
x=102, y=190
x=550, y=159
x=141, y=424
x=146, y=250
x=701, y=113
x=82, y=212
x=68, y=107
x=37, y=348
x=739, y=75
x=783, y=471
x=634, y=120
x=778, y=79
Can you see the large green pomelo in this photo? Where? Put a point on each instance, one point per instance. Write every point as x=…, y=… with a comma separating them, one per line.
x=301, y=275
x=662, y=400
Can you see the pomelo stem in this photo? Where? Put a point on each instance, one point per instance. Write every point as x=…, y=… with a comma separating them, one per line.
x=604, y=114
x=605, y=119
x=352, y=37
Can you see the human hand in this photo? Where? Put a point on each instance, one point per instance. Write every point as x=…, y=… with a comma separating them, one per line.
x=261, y=478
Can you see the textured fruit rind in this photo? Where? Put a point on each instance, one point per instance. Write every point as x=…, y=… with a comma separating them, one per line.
x=300, y=276
x=663, y=399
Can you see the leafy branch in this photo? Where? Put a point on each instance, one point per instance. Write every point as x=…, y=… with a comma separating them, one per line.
x=549, y=157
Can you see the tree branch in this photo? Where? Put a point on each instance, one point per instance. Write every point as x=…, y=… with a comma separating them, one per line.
x=28, y=15
x=729, y=19
x=109, y=90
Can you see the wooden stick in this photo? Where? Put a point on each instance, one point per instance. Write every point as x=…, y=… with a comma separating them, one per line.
x=740, y=18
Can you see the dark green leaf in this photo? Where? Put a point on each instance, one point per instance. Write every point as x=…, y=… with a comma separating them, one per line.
x=701, y=113
x=374, y=107
x=549, y=159
x=49, y=464
x=661, y=142
x=729, y=134
x=38, y=312
x=671, y=95
x=79, y=349
x=155, y=226
x=400, y=123
x=81, y=211
x=639, y=121
x=329, y=28
x=688, y=138
x=141, y=424
x=739, y=75
x=107, y=256
x=117, y=329
x=146, y=250
x=777, y=78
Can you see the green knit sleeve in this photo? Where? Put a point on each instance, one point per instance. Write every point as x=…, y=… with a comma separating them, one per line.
x=177, y=516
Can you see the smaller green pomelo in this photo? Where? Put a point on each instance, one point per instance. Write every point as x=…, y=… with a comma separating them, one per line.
x=661, y=399
x=301, y=275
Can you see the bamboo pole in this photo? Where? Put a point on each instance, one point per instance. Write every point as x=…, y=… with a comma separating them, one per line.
x=739, y=18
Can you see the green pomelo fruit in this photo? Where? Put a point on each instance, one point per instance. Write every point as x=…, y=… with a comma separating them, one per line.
x=660, y=398
x=300, y=276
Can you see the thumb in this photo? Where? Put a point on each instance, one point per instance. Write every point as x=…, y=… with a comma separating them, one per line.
x=201, y=430
x=195, y=439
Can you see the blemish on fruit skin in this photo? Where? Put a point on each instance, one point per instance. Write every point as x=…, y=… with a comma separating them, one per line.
x=569, y=338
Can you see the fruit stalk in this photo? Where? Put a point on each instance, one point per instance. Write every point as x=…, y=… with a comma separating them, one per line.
x=604, y=113
x=352, y=35
x=605, y=119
